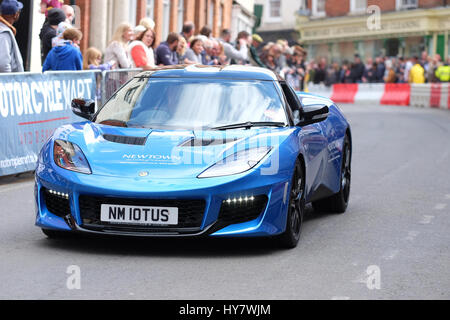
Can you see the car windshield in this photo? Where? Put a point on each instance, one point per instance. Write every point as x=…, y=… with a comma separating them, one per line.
x=163, y=103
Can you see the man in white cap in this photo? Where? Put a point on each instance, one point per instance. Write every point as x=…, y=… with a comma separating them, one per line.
x=10, y=56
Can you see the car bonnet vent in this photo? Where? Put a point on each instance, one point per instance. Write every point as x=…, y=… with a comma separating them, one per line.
x=136, y=141
x=206, y=142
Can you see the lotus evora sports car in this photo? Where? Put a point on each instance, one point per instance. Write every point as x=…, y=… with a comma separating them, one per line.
x=196, y=151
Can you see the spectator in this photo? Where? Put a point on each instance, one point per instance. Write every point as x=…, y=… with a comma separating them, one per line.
x=400, y=70
x=63, y=26
x=181, y=50
x=117, y=49
x=275, y=51
x=408, y=66
x=207, y=54
x=332, y=74
x=417, y=73
x=381, y=69
x=218, y=54
x=357, y=70
x=344, y=76
x=69, y=12
x=370, y=75
x=188, y=30
x=230, y=52
x=253, y=54
x=320, y=72
x=147, y=23
x=166, y=53
x=48, y=31
x=141, y=50
x=207, y=46
x=206, y=31
x=67, y=56
x=10, y=56
x=47, y=5
x=243, y=39
x=93, y=60
x=443, y=72
x=433, y=65
x=194, y=53
x=391, y=77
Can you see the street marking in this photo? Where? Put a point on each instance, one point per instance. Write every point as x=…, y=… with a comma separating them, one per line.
x=412, y=235
x=426, y=219
x=390, y=255
x=440, y=206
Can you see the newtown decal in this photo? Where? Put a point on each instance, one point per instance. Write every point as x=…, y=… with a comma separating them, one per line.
x=151, y=157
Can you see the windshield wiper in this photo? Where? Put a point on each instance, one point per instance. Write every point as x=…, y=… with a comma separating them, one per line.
x=249, y=125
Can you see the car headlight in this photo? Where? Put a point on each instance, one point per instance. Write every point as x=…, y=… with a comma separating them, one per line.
x=69, y=156
x=239, y=162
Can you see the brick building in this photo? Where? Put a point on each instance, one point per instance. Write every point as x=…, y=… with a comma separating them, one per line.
x=98, y=20
x=337, y=29
x=101, y=17
x=277, y=19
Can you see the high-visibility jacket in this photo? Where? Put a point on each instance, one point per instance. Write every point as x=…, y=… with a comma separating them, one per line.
x=443, y=73
x=417, y=74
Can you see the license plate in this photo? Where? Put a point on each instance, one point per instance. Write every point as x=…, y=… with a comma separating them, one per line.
x=120, y=214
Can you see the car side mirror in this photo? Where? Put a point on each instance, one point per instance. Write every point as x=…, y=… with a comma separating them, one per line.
x=84, y=108
x=313, y=114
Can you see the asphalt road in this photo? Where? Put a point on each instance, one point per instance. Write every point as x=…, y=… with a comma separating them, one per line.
x=393, y=243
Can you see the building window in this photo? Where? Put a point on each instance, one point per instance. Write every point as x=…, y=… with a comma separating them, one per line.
x=219, y=23
x=275, y=8
x=132, y=13
x=318, y=8
x=166, y=19
x=180, y=13
x=358, y=6
x=407, y=4
x=150, y=9
x=210, y=14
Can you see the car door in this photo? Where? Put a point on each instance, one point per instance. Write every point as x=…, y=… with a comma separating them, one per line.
x=312, y=141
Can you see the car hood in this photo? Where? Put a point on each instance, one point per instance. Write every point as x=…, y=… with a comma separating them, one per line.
x=131, y=152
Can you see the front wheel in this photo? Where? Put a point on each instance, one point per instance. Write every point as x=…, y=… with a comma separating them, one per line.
x=290, y=238
x=338, y=203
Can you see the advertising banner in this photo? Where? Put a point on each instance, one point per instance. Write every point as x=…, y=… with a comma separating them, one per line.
x=32, y=106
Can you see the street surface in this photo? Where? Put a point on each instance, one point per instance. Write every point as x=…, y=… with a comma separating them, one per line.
x=393, y=242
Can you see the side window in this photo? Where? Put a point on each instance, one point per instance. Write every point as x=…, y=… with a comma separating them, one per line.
x=291, y=97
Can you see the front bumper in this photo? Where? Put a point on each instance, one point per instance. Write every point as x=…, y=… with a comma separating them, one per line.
x=71, y=216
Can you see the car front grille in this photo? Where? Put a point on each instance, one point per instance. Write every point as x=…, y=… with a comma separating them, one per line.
x=242, y=211
x=190, y=213
x=56, y=204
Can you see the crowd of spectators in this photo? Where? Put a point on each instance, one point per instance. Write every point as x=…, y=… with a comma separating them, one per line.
x=425, y=69
x=135, y=47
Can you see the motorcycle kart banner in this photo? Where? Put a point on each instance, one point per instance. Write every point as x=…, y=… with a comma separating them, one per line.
x=32, y=106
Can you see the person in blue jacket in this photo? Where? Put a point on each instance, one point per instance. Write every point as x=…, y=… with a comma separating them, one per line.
x=67, y=55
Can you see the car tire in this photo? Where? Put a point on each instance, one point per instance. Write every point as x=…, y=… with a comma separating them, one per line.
x=338, y=203
x=296, y=210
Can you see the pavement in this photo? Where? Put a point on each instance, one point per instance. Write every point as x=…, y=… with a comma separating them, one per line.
x=392, y=243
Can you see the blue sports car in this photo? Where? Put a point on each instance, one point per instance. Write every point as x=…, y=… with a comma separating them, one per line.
x=196, y=151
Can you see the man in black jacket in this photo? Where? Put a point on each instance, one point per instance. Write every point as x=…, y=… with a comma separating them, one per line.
x=357, y=70
x=48, y=31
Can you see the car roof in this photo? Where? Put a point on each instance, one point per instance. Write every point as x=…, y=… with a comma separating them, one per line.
x=233, y=72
